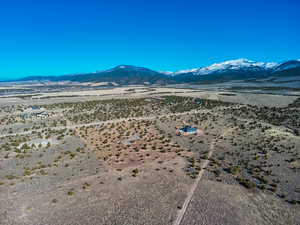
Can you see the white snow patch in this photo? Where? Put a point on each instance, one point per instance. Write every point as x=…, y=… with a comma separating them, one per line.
x=166, y=72
x=187, y=71
x=230, y=65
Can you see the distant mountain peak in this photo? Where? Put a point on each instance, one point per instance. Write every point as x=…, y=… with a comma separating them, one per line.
x=238, y=63
x=125, y=67
x=230, y=65
x=237, y=69
x=288, y=65
x=129, y=67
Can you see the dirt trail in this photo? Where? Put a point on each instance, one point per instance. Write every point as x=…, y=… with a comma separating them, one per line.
x=188, y=199
x=102, y=122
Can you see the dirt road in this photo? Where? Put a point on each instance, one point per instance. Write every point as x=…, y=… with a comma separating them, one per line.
x=188, y=199
x=101, y=123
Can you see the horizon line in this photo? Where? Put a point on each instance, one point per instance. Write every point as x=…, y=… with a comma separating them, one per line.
x=160, y=71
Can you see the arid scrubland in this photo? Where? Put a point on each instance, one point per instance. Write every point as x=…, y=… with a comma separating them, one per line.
x=121, y=161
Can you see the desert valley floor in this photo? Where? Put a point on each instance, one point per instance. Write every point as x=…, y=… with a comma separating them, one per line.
x=119, y=156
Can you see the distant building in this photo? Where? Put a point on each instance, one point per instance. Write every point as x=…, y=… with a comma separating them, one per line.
x=42, y=114
x=186, y=130
x=198, y=101
x=34, y=112
x=35, y=107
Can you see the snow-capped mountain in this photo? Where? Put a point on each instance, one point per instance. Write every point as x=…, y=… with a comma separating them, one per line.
x=231, y=65
x=239, y=69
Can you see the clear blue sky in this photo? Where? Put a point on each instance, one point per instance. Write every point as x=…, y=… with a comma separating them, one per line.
x=53, y=37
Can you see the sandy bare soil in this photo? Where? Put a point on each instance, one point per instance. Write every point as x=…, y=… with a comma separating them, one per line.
x=217, y=203
x=141, y=92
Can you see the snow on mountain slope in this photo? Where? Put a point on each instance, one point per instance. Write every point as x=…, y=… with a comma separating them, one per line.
x=187, y=71
x=166, y=72
x=238, y=64
x=229, y=70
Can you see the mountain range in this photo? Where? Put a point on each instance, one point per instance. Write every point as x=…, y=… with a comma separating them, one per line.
x=240, y=69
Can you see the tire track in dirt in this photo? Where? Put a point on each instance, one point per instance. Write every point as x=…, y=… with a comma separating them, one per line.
x=188, y=199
